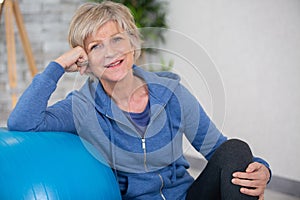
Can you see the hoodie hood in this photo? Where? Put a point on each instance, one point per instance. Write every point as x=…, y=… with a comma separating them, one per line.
x=161, y=86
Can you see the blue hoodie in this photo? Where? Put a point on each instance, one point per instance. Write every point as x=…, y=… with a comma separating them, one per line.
x=147, y=167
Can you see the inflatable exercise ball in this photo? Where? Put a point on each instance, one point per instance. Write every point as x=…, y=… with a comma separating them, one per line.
x=52, y=166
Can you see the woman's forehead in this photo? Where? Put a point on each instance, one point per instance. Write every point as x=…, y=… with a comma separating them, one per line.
x=108, y=29
x=105, y=31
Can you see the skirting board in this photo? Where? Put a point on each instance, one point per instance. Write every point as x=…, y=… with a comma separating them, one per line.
x=284, y=185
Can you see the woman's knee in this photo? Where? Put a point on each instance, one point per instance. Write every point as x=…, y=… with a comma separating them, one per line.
x=233, y=152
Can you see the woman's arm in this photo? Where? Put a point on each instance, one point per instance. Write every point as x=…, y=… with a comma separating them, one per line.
x=31, y=112
x=198, y=128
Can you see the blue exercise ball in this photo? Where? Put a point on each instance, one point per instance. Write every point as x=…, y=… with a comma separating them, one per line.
x=52, y=166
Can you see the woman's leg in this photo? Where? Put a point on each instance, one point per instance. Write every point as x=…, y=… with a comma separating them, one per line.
x=214, y=182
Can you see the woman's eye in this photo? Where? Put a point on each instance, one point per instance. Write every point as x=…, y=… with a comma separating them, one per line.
x=96, y=46
x=117, y=39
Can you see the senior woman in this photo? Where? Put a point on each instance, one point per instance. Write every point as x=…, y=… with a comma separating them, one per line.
x=135, y=118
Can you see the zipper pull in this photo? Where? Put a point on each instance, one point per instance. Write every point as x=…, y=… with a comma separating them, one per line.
x=143, y=143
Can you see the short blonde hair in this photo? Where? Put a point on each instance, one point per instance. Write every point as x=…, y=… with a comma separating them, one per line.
x=89, y=17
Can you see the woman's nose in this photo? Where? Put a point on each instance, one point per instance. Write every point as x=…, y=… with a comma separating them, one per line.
x=110, y=51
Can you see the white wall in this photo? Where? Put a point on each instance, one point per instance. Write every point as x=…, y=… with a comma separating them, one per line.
x=255, y=45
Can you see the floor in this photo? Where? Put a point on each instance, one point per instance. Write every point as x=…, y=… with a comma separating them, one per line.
x=272, y=195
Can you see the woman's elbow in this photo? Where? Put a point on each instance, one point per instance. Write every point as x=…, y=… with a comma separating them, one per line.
x=17, y=123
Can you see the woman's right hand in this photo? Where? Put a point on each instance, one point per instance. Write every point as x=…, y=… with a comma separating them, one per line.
x=71, y=60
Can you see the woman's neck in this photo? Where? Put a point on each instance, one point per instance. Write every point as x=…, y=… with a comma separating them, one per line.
x=130, y=94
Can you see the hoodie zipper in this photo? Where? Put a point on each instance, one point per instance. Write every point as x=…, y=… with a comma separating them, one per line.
x=161, y=187
x=143, y=139
x=143, y=143
x=146, y=168
x=145, y=152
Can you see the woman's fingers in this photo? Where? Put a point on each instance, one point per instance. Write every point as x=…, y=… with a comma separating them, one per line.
x=254, y=180
x=83, y=66
x=73, y=60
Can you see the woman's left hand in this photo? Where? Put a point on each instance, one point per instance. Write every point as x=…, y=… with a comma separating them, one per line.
x=254, y=180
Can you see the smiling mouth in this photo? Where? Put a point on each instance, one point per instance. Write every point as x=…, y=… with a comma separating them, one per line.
x=114, y=64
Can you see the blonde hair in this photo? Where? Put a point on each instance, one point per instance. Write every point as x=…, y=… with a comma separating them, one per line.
x=89, y=17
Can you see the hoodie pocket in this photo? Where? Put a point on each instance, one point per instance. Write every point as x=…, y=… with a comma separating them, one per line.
x=123, y=184
x=142, y=186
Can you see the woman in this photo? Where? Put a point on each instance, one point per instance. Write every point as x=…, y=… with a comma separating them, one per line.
x=136, y=119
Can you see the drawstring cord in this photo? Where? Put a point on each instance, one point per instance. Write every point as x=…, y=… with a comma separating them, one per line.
x=173, y=178
x=112, y=150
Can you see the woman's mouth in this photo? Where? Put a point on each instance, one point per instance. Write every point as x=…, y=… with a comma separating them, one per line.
x=114, y=64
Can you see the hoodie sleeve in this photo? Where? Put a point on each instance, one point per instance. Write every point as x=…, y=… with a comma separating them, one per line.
x=201, y=131
x=198, y=128
x=31, y=112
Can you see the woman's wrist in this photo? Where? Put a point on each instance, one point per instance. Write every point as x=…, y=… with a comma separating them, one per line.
x=54, y=71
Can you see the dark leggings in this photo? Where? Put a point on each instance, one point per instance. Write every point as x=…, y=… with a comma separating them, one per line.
x=214, y=182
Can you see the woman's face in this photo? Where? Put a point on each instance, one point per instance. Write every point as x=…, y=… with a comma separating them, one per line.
x=110, y=53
